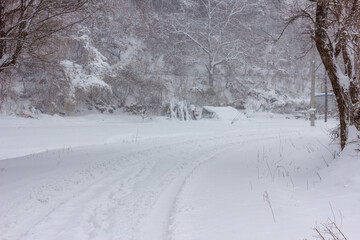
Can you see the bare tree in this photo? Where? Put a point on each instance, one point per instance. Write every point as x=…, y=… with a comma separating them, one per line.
x=335, y=31
x=336, y=25
x=213, y=27
x=23, y=23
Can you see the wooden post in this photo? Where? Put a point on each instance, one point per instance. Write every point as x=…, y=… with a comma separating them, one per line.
x=312, y=101
x=326, y=97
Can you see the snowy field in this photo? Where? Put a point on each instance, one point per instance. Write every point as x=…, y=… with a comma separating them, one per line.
x=119, y=178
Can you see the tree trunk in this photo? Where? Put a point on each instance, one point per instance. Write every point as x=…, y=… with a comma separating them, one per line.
x=327, y=55
x=355, y=100
x=2, y=28
x=210, y=70
x=355, y=87
x=326, y=97
x=211, y=79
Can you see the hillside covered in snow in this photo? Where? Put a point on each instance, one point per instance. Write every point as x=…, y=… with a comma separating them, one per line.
x=136, y=53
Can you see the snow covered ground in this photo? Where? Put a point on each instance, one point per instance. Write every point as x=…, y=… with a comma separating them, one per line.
x=119, y=178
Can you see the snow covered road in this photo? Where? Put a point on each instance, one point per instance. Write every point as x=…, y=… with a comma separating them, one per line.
x=121, y=180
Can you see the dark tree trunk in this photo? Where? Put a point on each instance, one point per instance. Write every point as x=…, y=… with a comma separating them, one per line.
x=355, y=91
x=210, y=70
x=211, y=79
x=2, y=27
x=355, y=99
x=326, y=98
x=327, y=54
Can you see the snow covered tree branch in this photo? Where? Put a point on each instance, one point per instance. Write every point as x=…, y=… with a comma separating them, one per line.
x=213, y=27
x=25, y=22
x=335, y=31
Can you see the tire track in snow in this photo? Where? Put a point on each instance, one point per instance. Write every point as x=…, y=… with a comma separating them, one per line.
x=140, y=204
x=286, y=143
x=152, y=195
x=82, y=196
x=172, y=213
x=157, y=226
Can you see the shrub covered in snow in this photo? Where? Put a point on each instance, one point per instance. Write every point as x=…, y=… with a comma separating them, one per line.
x=274, y=101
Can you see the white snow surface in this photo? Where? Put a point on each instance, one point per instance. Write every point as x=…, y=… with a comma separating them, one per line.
x=120, y=178
x=224, y=113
